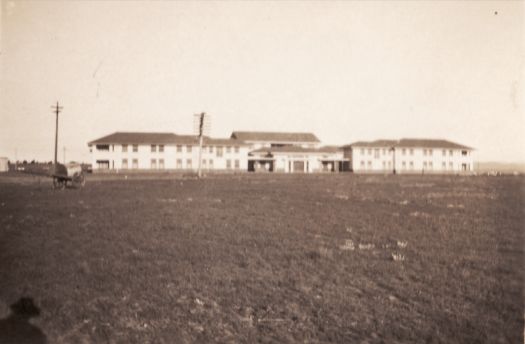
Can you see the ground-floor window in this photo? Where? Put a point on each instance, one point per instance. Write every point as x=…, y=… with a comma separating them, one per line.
x=228, y=164
x=404, y=165
x=124, y=163
x=153, y=164
x=135, y=164
x=188, y=164
x=211, y=164
x=103, y=164
x=161, y=164
x=203, y=163
x=451, y=166
x=237, y=164
x=411, y=164
x=179, y=163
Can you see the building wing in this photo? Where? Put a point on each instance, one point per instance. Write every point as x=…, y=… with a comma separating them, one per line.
x=263, y=136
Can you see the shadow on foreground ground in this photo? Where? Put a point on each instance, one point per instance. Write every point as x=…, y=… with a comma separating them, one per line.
x=16, y=328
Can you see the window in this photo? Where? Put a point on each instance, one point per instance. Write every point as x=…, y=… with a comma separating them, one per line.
x=444, y=152
x=450, y=152
x=135, y=148
x=161, y=164
x=228, y=149
x=237, y=164
x=124, y=163
x=161, y=148
x=236, y=149
x=179, y=149
x=411, y=151
x=411, y=164
x=464, y=152
x=430, y=165
x=424, y=152
x=424, y=164
x=451, y=166
x=376, y=153
x=210, y=165
x=203, y=163
x=179, y=163
x=153, y=164
x=124, y=148
x=443, y=165
x=370, y=165
x=362, y=164
x=228, y=164
x=384, y=165
x=404, y=165
x=384, y=151
x=403, y=151
x=103, y=147
x=219, y=152
x=430, y=152
x=153, y=148
x=135, y=164
x=103, y=164
x=188, y=163
x=369, y=151
x=210, y=149
x=362, y=151
x=188, y=148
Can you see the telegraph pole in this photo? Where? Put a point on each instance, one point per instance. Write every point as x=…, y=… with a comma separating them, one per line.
x=56, y=109
x=201, y=130
x=64, y=148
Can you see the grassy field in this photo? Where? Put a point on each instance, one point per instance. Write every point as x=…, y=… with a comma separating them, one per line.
x=267, y=258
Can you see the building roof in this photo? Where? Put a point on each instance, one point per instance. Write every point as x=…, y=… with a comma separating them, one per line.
x=161, y=138
x=298, y=149
x=274, y=136
x=410, y=143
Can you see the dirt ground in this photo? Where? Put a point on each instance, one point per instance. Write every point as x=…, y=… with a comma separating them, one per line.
x=264, y=258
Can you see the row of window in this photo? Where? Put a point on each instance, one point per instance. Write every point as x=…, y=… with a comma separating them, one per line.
x=426, y=165
x=189, y=148
x=410, y=151
x=160, y=164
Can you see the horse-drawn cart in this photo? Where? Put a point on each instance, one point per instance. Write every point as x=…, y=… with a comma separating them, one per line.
x=72, y=173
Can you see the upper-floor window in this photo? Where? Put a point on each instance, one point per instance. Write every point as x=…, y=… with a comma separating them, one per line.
x=411, y=151
x=153, y=148
x=161, y=148
x=210, y=149
x=403, y=151
x=188, y=148
x=135, y=148
x=369, y=151
x=450, y=152
x=228, y=149
x=236, y=149
x=179, y=149
x=103, y=147
x=124, y=148
x=444, y=152
x=464, y=152
x=424, y=152
x=362, y=151
x=430, y=152
x=219, y=151
x=376, y=153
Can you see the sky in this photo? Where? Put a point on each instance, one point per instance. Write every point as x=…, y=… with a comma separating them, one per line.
x=346, y=71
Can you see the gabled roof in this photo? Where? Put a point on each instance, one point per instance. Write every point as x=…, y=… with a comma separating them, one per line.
x=162, y=138
x=430, y=143
x=409, y=143
x=135, y=138
x=298, y=149
x=274, y=136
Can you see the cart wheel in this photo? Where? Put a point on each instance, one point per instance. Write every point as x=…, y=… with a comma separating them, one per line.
x=59, y=183
x=78, y=180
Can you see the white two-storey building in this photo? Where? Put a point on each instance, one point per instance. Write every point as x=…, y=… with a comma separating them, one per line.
x=409, y=156
x=166, y=151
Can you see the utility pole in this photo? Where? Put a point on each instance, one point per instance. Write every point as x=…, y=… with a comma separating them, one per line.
x=201, y=131
x=56, y=109
x=393, y=149
x=64, y=148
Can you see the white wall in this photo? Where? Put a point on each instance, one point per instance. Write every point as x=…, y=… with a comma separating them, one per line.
x=411, y=160
x=171, y=155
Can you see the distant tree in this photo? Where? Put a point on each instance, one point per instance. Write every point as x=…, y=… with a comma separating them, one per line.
x=24, y=162
x=33, y=162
